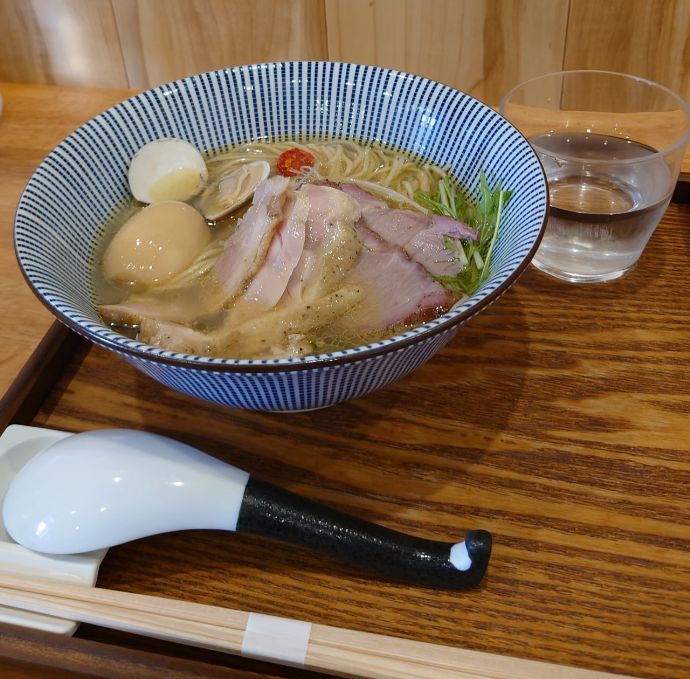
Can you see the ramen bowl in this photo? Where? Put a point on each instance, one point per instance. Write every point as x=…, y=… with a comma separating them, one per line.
x=82, y=185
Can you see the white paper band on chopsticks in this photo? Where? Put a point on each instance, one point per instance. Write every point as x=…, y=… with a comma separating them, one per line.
x=267, y=637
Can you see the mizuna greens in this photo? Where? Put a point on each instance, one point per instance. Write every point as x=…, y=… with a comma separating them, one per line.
x=484, y=215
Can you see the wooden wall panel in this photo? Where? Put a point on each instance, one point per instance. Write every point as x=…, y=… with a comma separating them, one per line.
x=482, y=47
x=649, y=38
x=166, y=39
x=68, y=42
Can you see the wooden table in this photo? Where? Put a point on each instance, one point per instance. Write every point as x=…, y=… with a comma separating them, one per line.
x=559, y=420
x=34, y=120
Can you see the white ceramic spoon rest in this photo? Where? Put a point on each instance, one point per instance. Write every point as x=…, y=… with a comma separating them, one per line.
x=103, y=488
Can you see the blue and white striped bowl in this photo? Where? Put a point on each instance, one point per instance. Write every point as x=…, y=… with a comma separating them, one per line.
x=82, y=184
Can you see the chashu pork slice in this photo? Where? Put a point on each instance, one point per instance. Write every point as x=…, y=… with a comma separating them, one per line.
x=428, y=247
x=398, y=290
x=246, y=249
x=172, y=305
x=397, y=227
x=284, y=253
x=331, y=244
x=310, y=255
x=420, y=236
x=257, y=337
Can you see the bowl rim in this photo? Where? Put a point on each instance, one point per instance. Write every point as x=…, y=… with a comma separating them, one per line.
x=180, y=360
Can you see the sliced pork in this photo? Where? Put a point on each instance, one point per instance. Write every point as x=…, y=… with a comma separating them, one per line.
x=421, y=237
x=284, y=253
x=398, y=289
x=246, y=249
x=311, y=251
x=185, y=305
x=397, y=227
x=319, y=266
x=428, y=247
x=257, y=337
x=331, y=245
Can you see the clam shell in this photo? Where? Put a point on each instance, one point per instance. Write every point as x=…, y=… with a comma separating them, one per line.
x=233, y=189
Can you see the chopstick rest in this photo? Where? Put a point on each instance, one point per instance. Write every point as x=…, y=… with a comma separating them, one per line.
x=103, y=488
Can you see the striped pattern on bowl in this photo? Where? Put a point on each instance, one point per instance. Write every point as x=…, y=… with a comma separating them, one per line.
x=82, y=185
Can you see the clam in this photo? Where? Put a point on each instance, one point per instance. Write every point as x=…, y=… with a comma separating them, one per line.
x=233, y=189
x=167, y=169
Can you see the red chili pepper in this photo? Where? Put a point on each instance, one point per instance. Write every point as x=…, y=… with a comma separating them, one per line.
x=291, y=162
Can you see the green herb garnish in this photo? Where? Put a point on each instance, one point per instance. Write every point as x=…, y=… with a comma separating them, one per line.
x=484, y=216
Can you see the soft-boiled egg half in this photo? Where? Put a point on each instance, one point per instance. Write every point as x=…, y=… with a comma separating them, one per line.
x=167, y=169
x=156, y=244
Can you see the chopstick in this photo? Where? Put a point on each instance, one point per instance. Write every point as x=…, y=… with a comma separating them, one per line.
x=347, y=653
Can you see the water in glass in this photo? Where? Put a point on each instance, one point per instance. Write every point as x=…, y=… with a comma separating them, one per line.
x=607, y=196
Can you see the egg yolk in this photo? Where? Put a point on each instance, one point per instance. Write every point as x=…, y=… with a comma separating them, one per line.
x=177, y=185
x=156, y=244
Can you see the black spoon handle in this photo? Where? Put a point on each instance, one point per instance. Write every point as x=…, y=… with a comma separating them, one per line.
x=278, y=513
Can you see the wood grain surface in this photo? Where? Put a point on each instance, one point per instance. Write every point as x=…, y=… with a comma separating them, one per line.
x=67, y=42
x=163, y=40
x=34, y=120
x=643, y=37
x=481, y=46
x=557, y=419
x=27, y=654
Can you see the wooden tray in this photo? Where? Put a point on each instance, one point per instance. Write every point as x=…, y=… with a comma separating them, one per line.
x=557, y=419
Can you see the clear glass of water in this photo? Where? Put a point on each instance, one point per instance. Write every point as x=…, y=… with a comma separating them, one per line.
x=611, y=145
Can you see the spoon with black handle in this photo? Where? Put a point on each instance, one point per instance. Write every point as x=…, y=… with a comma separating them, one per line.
x=102, y=488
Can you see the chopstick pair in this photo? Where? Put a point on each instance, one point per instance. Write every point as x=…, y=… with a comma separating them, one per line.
x=315, y=647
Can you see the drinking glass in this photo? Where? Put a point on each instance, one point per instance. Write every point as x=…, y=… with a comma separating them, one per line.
x=611, y=145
